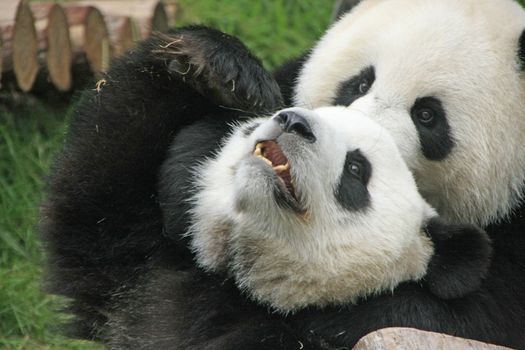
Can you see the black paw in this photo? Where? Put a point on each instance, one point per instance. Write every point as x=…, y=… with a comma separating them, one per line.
x=219, y=67
x=461, y=259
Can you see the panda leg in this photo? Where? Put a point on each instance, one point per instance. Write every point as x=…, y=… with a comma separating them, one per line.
x=219, y=67
x=101, y=220
x=188, y=310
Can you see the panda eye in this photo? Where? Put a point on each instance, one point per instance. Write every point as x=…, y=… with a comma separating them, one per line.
x=364, y=86
x=355, y=169
x=425, y=116
x=355, y=87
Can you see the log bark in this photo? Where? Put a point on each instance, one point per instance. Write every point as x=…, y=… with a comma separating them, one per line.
x=150, y=15
x=19, y=49
x=54, y=47
x=414, y=339
x=89, y=36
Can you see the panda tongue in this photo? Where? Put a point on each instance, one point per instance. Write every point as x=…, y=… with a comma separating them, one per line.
x=280, y=164
x=274, y=154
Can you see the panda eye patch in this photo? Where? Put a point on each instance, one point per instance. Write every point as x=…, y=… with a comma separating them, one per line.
x=352, y=192
x=430, y=120
x=355, y=87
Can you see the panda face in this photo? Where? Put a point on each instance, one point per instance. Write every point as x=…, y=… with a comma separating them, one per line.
x=443, y=77
x=310, y=208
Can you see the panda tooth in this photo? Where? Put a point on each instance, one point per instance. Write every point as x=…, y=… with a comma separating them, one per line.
x=281, y=168
x=267, y=161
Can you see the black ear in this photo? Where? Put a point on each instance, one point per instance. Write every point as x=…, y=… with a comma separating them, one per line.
x=343, y=6
x=461, y=259
x=521, y=50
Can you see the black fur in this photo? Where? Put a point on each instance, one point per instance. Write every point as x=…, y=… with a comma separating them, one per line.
x=286, y=76
x=192, y=145
x=461, y=259
x=101, y=221
x=521, y=51
x=173, y=309
x=109, y=252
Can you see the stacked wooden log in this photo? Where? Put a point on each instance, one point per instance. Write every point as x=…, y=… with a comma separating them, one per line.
x=46, y=38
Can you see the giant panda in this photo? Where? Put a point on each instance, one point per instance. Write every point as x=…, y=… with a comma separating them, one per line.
x=299, y=211
x=311, y=208
x=123, y=264
x=446, y=79
x=114, y=230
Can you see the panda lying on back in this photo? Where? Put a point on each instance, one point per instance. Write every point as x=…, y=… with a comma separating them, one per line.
x=311, y=208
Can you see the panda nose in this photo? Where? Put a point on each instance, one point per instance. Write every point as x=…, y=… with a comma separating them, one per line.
x=293, y=122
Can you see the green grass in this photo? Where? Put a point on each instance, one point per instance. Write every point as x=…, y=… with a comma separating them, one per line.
x=275, y=30
x=29, y=136
x=32, y=132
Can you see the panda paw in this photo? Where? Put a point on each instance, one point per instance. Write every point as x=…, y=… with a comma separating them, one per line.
x=461, y=260
x=219, y=67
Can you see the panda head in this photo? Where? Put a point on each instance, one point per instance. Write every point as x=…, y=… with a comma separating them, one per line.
x=445, y=78
x=313, y=208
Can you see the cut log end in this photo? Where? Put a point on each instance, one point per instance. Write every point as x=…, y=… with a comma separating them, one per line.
x=25, y=47
x=97, y=45
x=58, y=36
x=126, y=38
x=89, y=36
x=124, y=33
x=150, y=15
x=59, y=51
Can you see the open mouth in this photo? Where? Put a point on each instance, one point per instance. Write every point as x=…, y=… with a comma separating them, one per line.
x=271, y=153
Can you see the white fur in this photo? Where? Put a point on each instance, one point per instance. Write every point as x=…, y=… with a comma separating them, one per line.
x=463, y=52
x=328, y=254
